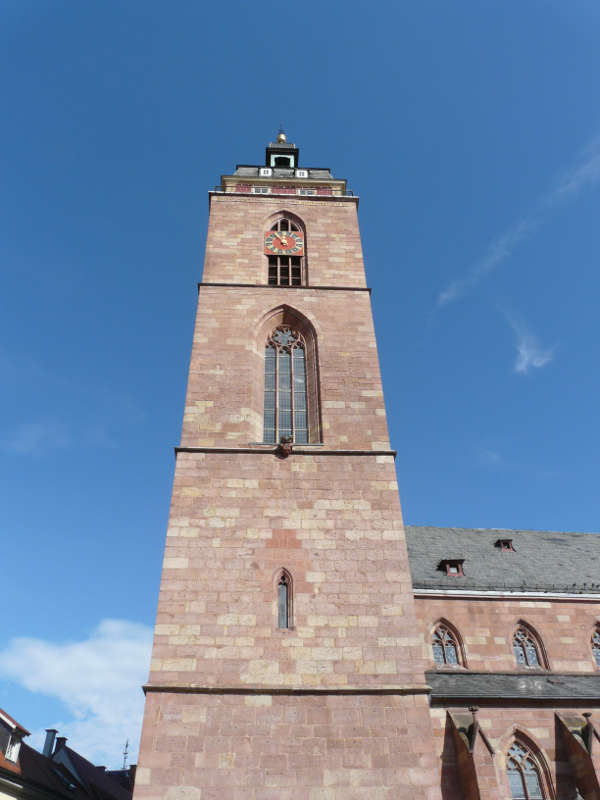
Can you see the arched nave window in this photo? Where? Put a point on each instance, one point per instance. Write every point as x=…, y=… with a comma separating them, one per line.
x=528, y=648
x=445, y=646
x=596, y=645
x=524, y=774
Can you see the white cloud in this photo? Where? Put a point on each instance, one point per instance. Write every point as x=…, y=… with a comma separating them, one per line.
x=586, y=171
x=529, y=352
x=98, y=680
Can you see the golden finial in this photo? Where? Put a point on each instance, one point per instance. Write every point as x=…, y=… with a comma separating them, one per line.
x=281, y=137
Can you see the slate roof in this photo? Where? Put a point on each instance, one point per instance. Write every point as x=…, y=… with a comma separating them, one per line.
x=35, y=770
x=447, y=686
x=543, y=560
x=97, y=779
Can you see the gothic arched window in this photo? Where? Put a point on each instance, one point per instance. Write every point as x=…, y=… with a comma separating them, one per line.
x=284, y=600
x=445, y=646
x=527, y=648
x=596, y=645
x=524, y=774
x=287, y=270
x=285, y=404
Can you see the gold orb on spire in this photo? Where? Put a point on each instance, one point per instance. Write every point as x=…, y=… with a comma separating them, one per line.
x=281, y=137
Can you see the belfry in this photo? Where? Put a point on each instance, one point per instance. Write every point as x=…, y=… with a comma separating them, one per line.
x=287, y=662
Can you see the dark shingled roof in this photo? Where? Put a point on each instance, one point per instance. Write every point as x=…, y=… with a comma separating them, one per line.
x=543, y=560
x=471, y=686
x=314, y=173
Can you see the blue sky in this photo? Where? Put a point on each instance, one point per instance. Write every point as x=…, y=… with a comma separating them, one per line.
x=471, y=132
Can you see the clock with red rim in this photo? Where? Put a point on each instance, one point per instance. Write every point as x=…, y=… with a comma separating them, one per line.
x=284, y=243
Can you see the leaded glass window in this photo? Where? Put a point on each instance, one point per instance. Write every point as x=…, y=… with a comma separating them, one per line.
x=526, y=649
x=285, y=408
x=445, y=647
x=285, y=270
x=596, y=645
x=523, y=774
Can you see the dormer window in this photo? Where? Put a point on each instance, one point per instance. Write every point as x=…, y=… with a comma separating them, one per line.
x=13, y=747
x=505, y=545
x=453, y=567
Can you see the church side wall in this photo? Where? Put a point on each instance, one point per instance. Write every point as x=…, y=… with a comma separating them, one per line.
x=487, y=626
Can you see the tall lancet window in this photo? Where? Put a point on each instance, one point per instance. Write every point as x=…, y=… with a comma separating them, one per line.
x=285, y=411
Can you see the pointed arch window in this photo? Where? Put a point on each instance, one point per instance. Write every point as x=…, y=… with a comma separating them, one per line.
x=445, y=646
x=284, y=601
x=285, y=402
x=524, y=774
x=527, y=649
x=286, y=270
x=596, y=645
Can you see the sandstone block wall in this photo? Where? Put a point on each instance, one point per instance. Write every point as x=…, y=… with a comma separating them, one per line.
x=278, y=747
x=224, y=403
x=235, y=239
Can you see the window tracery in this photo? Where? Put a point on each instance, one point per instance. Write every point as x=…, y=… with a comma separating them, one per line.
x=446, y=651
x=526, y=648
x=524, y=774
x=285, y=399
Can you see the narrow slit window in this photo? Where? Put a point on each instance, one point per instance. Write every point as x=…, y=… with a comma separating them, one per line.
x=283, y=602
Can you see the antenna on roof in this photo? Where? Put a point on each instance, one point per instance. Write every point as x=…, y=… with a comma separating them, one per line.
x=125, y=754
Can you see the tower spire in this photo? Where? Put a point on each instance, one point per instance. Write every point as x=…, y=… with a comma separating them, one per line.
x=281, y=137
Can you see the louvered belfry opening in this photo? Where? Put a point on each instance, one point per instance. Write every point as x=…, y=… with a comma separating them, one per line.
x=285, y=270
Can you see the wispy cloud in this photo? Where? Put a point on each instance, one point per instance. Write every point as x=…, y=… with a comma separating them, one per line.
x=489, y=458
x=89, y=414
x=530, y=354
x=97, y=679
x=36, y=437
x=585, y=171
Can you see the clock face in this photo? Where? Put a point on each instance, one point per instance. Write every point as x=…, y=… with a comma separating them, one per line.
x=284, y=243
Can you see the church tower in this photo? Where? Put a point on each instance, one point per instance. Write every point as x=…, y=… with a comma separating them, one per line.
x=287, y=661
